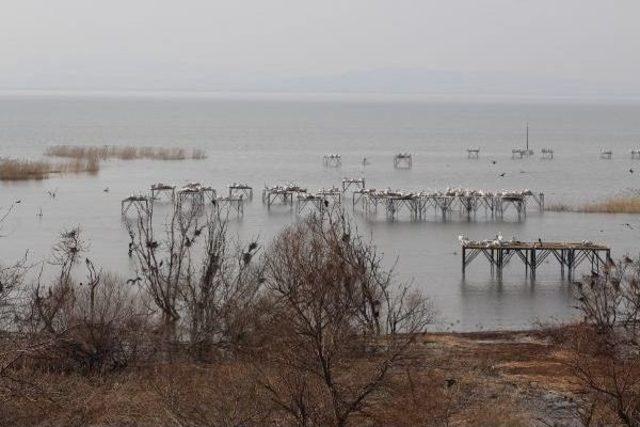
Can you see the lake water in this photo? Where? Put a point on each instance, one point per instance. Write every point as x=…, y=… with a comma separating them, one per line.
x=276, y=139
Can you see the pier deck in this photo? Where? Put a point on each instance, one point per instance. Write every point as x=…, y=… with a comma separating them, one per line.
x=532, y=254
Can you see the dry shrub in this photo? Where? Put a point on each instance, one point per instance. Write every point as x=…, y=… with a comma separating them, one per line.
x=605, y=346
x=338, y=327
x=123, y=152
x=91, y=326
x=313, y=332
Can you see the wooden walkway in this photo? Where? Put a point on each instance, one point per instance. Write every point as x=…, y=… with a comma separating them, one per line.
x=533, y=254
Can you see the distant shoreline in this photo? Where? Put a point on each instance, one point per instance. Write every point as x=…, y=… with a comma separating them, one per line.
x=317, y=96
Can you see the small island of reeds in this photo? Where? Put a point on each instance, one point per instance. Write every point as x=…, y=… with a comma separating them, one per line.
x=629, y=204
x=107, y=152
x=26, y=170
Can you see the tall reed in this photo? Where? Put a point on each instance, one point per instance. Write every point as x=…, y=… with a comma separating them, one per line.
x=123, y=152
x=613, y=205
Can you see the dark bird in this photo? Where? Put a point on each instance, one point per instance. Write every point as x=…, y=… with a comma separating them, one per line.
x=18, y=202
x=628, y=225
x=106, y=190
x=630, y=170
x=503, y=174
x=69, y=234
x=493, y=162
x=539, y=240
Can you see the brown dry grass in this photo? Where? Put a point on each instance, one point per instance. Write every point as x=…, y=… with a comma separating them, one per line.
x=25, y=170
x=18, y=170
x=619, y=204
x=123, y=152
x=494, y=379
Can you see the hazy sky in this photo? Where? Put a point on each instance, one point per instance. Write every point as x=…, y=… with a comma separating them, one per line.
x=212, y=44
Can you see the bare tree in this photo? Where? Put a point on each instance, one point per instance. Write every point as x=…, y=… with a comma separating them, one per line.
x=11, y=280
x=91, y=325
x=605, y=346
x=339, y=323
x=203, y=291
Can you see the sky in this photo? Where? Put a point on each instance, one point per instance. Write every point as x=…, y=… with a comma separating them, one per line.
x=582, y=46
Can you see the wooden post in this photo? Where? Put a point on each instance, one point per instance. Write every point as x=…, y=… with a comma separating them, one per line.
x=464, y=260
x=534, y=263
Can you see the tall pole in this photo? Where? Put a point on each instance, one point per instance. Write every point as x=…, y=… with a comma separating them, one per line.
x=527, y=137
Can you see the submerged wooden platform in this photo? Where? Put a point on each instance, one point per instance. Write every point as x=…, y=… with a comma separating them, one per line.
x=532, y=254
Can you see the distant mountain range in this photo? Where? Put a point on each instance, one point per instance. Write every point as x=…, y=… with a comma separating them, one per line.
x=387, y=80
x=449, y=83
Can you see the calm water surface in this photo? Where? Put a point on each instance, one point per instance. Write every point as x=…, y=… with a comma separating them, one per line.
x=271, y=140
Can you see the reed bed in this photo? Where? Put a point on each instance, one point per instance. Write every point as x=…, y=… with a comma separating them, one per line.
x=26, y=170
x=613, y=205
x=22, y=170
x=123, y=152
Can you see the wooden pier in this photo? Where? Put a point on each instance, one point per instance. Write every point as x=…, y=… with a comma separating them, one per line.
x=195, y=193
x=137, y=201
x=158, y=190
x=533, y=254
x=606, y=154
x=238, y=189
x=348, y=182
x=403, y=161
x=332, y=160
x=282, y=194
x=230, y=203
x=464, y=202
